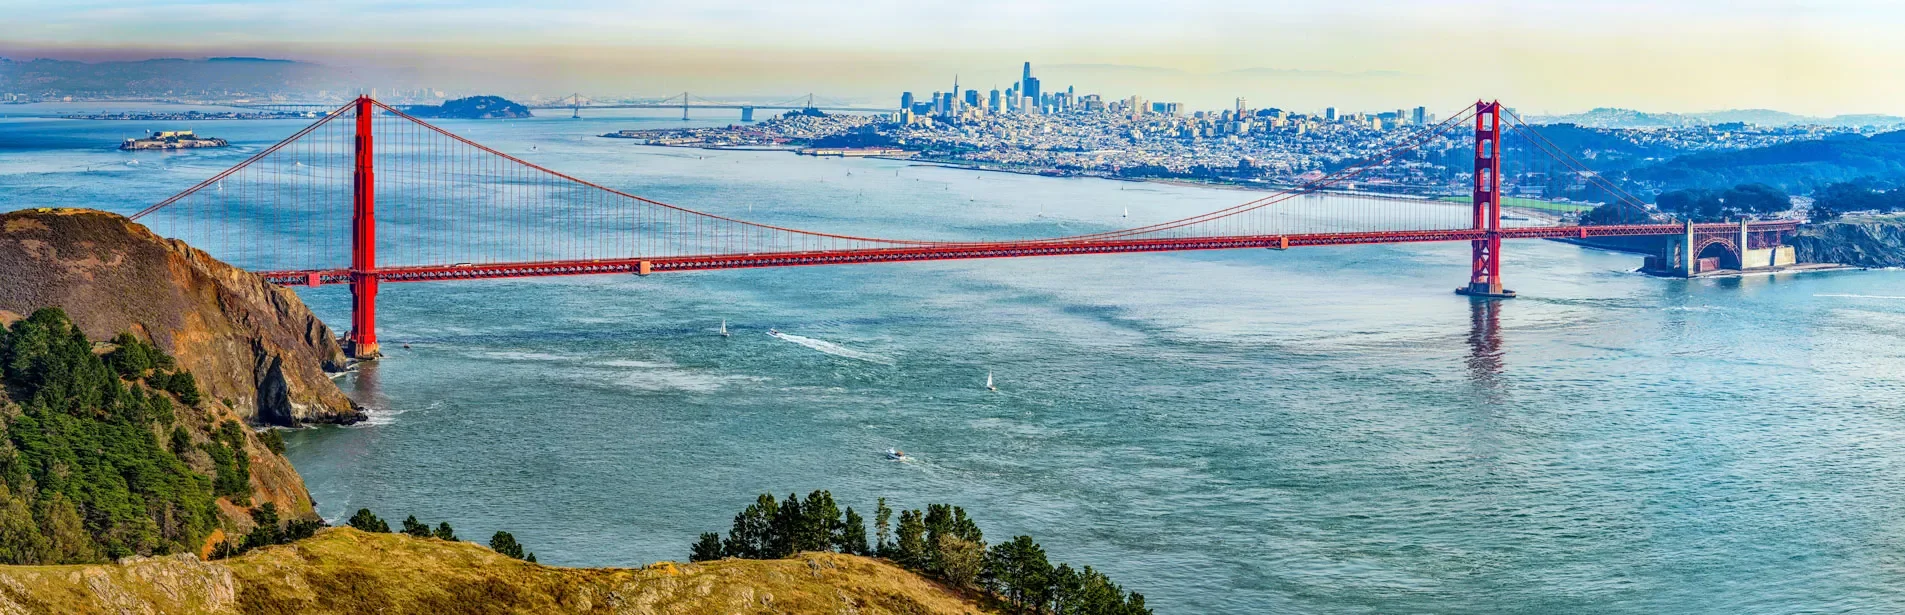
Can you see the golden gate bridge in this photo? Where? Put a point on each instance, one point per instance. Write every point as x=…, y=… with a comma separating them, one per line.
x=454, y=209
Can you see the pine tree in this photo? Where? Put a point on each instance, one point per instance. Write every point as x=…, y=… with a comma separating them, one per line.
x=444, y=532
x=910, y=549
x=709, y=548
x=819, y=523
x=853, y=535
x=264, y=531
x=505, y=543
x=20, y=539
x=415, y=528
x=753, y=530
x=67, y=540
x=367, y=522
x=883, y=529
x=787, y=524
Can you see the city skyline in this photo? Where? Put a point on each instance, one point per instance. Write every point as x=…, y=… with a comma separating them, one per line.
x=1543, y=55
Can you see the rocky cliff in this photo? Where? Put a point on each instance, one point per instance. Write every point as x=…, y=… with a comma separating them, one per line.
x=1861, y=242
x=254, y=347
x=345, y=571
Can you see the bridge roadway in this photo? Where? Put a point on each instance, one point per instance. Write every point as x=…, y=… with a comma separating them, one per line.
x=956, y=251
x=736, y=106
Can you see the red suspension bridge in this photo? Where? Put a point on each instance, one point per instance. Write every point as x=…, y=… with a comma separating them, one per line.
x=305, y=212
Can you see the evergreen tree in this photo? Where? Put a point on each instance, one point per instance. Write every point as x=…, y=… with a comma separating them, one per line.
x=787, y=524
x=752, y=534
x=20, y=539
x=883, y=529
x=444, y=532
x=709, y=548
x=264, y=531
x=300, y=529
x=415, y=528
x=505, y=543
x=367, y=522
x=853, y=535
x=910, y=549
x=819, y=523
x=1018, y=571
x=531, y=558
x=67, y=540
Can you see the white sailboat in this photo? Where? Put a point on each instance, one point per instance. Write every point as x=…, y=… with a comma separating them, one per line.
x=724, y=327
x=989, y=386
x=1127, y=213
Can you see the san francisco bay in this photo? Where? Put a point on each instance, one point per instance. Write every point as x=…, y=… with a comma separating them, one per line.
x=1320, y=430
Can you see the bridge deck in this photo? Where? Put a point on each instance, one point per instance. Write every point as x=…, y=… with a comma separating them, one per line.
x=958, y=251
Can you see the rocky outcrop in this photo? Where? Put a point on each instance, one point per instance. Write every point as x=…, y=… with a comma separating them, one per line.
x=1862, y=242
x=254, y=347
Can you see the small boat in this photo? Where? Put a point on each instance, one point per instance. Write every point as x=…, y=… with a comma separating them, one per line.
x=774, y=332
x=989, y=386
x=897, y=455
x=1127, y=213
x=724, y=327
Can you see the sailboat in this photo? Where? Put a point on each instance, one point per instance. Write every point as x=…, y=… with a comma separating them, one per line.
x=989, y=386
x=724, y=327
x=1127, y=213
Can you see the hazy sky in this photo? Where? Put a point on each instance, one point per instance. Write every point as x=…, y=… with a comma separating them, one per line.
x=1819, y=56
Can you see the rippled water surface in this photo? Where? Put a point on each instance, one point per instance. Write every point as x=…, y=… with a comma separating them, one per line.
x=1323, y=430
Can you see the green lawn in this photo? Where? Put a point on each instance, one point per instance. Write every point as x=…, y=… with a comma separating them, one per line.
x=1521, y=201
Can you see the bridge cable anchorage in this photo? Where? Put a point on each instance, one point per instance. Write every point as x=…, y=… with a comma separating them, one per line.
x=443, y=206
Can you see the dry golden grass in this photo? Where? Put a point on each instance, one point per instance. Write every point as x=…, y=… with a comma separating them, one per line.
x=345, y=571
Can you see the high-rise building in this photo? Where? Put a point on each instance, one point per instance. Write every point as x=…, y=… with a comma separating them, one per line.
x=906, y=100
x=992, y=102
x=1240, y=105
x=972, y=98
x=1031, y=90
x=1329, y=114
x=1026, y=78
x=1422, y=116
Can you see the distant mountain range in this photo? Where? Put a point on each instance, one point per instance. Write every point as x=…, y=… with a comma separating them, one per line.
x=1607, y=117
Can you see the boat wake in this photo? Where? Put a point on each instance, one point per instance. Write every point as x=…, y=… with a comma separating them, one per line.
x=835, y=349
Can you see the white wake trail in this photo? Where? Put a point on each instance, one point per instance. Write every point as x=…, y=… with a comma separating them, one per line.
x=836, y=349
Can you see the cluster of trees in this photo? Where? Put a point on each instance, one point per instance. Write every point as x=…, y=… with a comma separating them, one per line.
x=1863, y=194
x=267, y=530
x=941, y=542
x=84, y=472
x=1718, y=205
x=502, y=542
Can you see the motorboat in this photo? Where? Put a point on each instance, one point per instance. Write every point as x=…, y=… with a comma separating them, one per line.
x=897, y=455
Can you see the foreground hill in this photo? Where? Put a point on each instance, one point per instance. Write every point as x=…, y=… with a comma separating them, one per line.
x=345, y=571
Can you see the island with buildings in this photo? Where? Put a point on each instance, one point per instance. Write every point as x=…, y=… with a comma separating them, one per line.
x=172, y=139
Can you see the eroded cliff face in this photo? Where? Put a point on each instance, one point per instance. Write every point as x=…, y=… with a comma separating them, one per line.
x=255, y=349
x=1860, y=242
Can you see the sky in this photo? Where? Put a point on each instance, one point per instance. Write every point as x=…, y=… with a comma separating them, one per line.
x=1819, y=57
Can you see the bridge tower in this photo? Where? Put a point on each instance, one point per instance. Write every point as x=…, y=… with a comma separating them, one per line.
x=363, y=274
x=1485, y=274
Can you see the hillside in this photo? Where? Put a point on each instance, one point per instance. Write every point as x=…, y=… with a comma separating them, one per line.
x=345, y=571
x=254, y=347
x=1796, y=167
x=472, y=108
